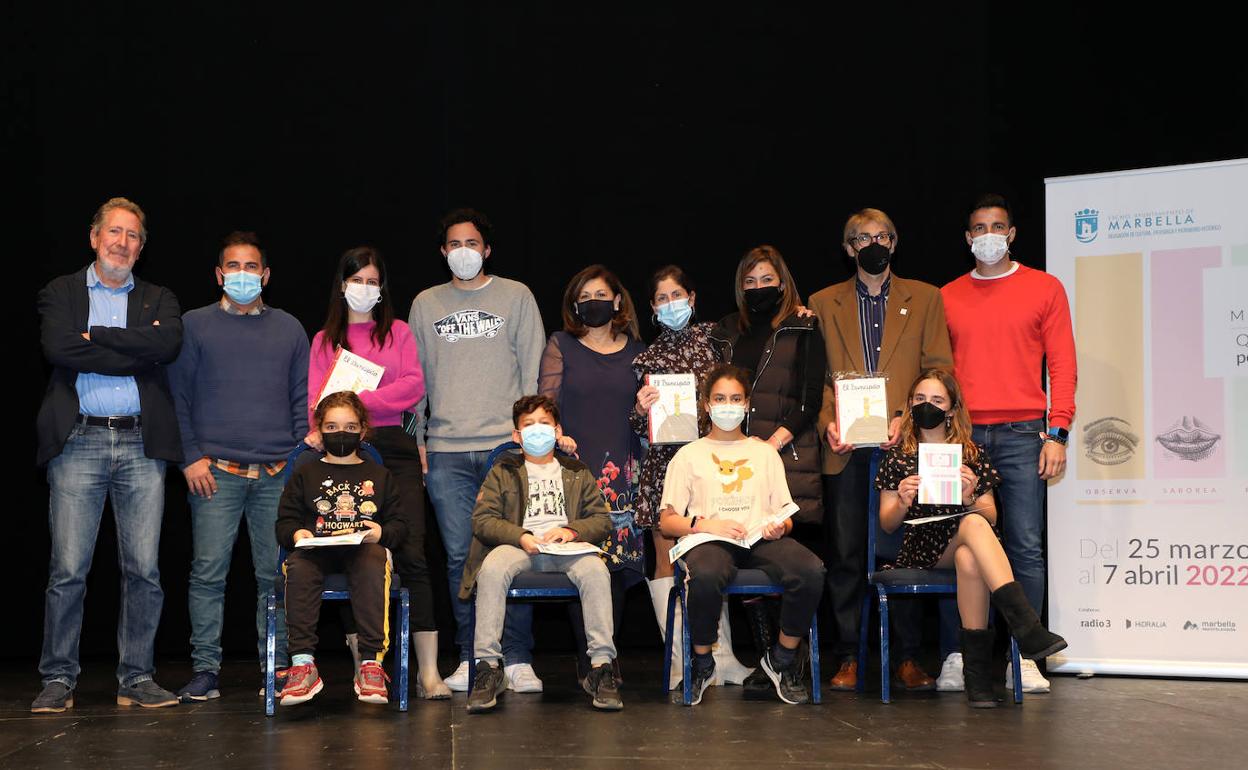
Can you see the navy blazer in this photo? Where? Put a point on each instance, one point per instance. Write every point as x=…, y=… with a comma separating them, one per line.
x=140, y=350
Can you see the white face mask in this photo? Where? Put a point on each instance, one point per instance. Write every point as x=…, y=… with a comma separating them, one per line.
x=727, y=416
x=990, y=248
x=361, y=297
x=465, y=262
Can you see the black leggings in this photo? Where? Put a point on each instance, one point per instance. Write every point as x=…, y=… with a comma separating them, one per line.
x=712, y=566
x=401, y=456
x=368, y=576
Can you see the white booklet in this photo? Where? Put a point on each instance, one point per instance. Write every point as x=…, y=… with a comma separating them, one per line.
x=350, y=372
x=351, y=538
x=941, y=517
x=688, y=542
x=940, y=474
x=568, y=549
x=674, y=417
x=862, y=410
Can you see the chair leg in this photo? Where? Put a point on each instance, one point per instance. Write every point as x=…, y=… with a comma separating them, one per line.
x=270, y=655
x=405, y=602
x=668, y=639
x=885, y=691
x=816, y=691
x=862, y=641
x=686, y=655
x=1017, y=670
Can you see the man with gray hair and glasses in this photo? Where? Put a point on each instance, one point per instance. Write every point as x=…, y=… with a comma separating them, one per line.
x=106, y=429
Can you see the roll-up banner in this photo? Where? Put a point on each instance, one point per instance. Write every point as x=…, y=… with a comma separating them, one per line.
x=1148, y=527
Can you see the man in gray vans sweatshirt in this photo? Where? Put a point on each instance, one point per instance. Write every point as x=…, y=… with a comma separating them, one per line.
x=480, y=339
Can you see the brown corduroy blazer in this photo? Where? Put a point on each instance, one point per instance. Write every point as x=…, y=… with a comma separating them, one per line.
x=915, y=338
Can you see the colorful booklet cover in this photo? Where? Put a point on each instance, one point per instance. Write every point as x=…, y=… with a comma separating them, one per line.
x=940, y=474
x=674, y=417
x=862, y=410
x=351, y=372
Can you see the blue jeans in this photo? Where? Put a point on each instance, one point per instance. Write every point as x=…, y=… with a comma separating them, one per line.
x=453, y=481
x=214, y=527
x=98, y=463
x=1014, y=449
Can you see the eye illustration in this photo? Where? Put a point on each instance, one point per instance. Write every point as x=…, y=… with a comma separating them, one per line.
x=1189, y=439
x=1109, y=441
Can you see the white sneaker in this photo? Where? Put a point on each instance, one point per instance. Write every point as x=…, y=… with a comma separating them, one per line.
x=458, y=681
x=950, y=679
x=1033, y=680
x=522, y=678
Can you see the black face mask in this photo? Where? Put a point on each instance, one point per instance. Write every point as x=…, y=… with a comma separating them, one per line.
x=763, y=300
x=341, y=443
x=596, y=312
x=927, y=415
x=873, y=258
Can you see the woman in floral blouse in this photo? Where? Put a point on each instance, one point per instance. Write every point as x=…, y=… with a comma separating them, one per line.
x=681, y=347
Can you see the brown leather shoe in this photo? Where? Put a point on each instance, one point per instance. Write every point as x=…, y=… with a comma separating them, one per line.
x=914, y=678
x=846, y=677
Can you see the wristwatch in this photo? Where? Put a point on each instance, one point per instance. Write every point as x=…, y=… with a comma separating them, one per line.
x=1060, y=435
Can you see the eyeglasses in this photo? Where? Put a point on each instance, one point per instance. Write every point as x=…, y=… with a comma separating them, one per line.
x=863, y=239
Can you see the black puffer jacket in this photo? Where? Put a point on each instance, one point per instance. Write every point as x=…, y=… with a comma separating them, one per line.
x=781, y=396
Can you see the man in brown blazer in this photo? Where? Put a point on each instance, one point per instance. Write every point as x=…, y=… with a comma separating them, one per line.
x=873, y=322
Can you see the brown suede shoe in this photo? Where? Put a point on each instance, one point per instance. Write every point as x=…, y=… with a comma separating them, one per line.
x=846, y=677
x=914, y=678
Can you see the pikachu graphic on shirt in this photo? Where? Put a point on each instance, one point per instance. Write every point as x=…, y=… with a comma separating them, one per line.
x=736, y=471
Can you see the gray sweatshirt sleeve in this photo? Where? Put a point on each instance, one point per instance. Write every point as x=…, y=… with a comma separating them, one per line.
x=529, y=341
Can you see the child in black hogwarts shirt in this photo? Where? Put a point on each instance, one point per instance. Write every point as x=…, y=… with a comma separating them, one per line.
x=339, y=494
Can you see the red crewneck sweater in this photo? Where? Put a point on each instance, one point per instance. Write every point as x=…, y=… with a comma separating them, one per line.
x=1002, y=329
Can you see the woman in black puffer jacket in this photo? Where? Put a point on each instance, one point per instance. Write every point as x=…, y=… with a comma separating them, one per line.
x=785, y=353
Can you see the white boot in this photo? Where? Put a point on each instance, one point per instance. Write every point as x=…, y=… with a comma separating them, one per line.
x=728, y=670
x=659, y=589
x=353, y=644
x=429, y=684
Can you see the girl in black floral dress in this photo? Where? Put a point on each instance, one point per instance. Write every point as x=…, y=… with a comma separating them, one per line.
x=681, y=347
x=967, y=543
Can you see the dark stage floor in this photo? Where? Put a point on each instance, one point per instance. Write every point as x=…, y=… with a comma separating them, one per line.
x=1096, y=723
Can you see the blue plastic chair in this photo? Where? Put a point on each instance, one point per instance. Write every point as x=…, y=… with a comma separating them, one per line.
x=335, y=589
x=527, y=586
x=901, y=581
x=749, y=582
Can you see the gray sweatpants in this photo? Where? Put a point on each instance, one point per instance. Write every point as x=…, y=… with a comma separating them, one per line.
x=587, y=572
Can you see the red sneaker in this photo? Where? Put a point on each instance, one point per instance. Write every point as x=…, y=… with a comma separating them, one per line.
x=370, y=683
x=302, y=684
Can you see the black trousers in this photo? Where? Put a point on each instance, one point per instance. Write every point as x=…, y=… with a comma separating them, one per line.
x=712, y=566
x=368, y=576
x=846, y=496
x=401, y=456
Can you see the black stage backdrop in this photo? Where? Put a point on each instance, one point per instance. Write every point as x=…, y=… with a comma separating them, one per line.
x=631, y=135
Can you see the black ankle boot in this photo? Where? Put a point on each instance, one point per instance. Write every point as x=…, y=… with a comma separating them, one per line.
x=1035, y=642
x=977, y=668
x=758, y=686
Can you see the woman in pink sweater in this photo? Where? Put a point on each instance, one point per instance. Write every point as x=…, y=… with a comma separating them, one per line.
x=361, y=319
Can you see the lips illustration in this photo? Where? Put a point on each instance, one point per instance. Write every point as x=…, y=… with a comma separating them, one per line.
x=1189, y=439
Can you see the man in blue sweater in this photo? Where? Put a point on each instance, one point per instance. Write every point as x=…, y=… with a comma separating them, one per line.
x=240, y=388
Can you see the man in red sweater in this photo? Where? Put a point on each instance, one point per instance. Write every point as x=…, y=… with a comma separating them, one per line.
x=1006, y=321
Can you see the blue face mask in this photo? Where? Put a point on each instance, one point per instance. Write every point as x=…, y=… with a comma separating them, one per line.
x=537, y=439
x=242, y=287
x=675, y=314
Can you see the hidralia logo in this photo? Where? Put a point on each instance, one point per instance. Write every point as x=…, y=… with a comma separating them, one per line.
x=1085, y=225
